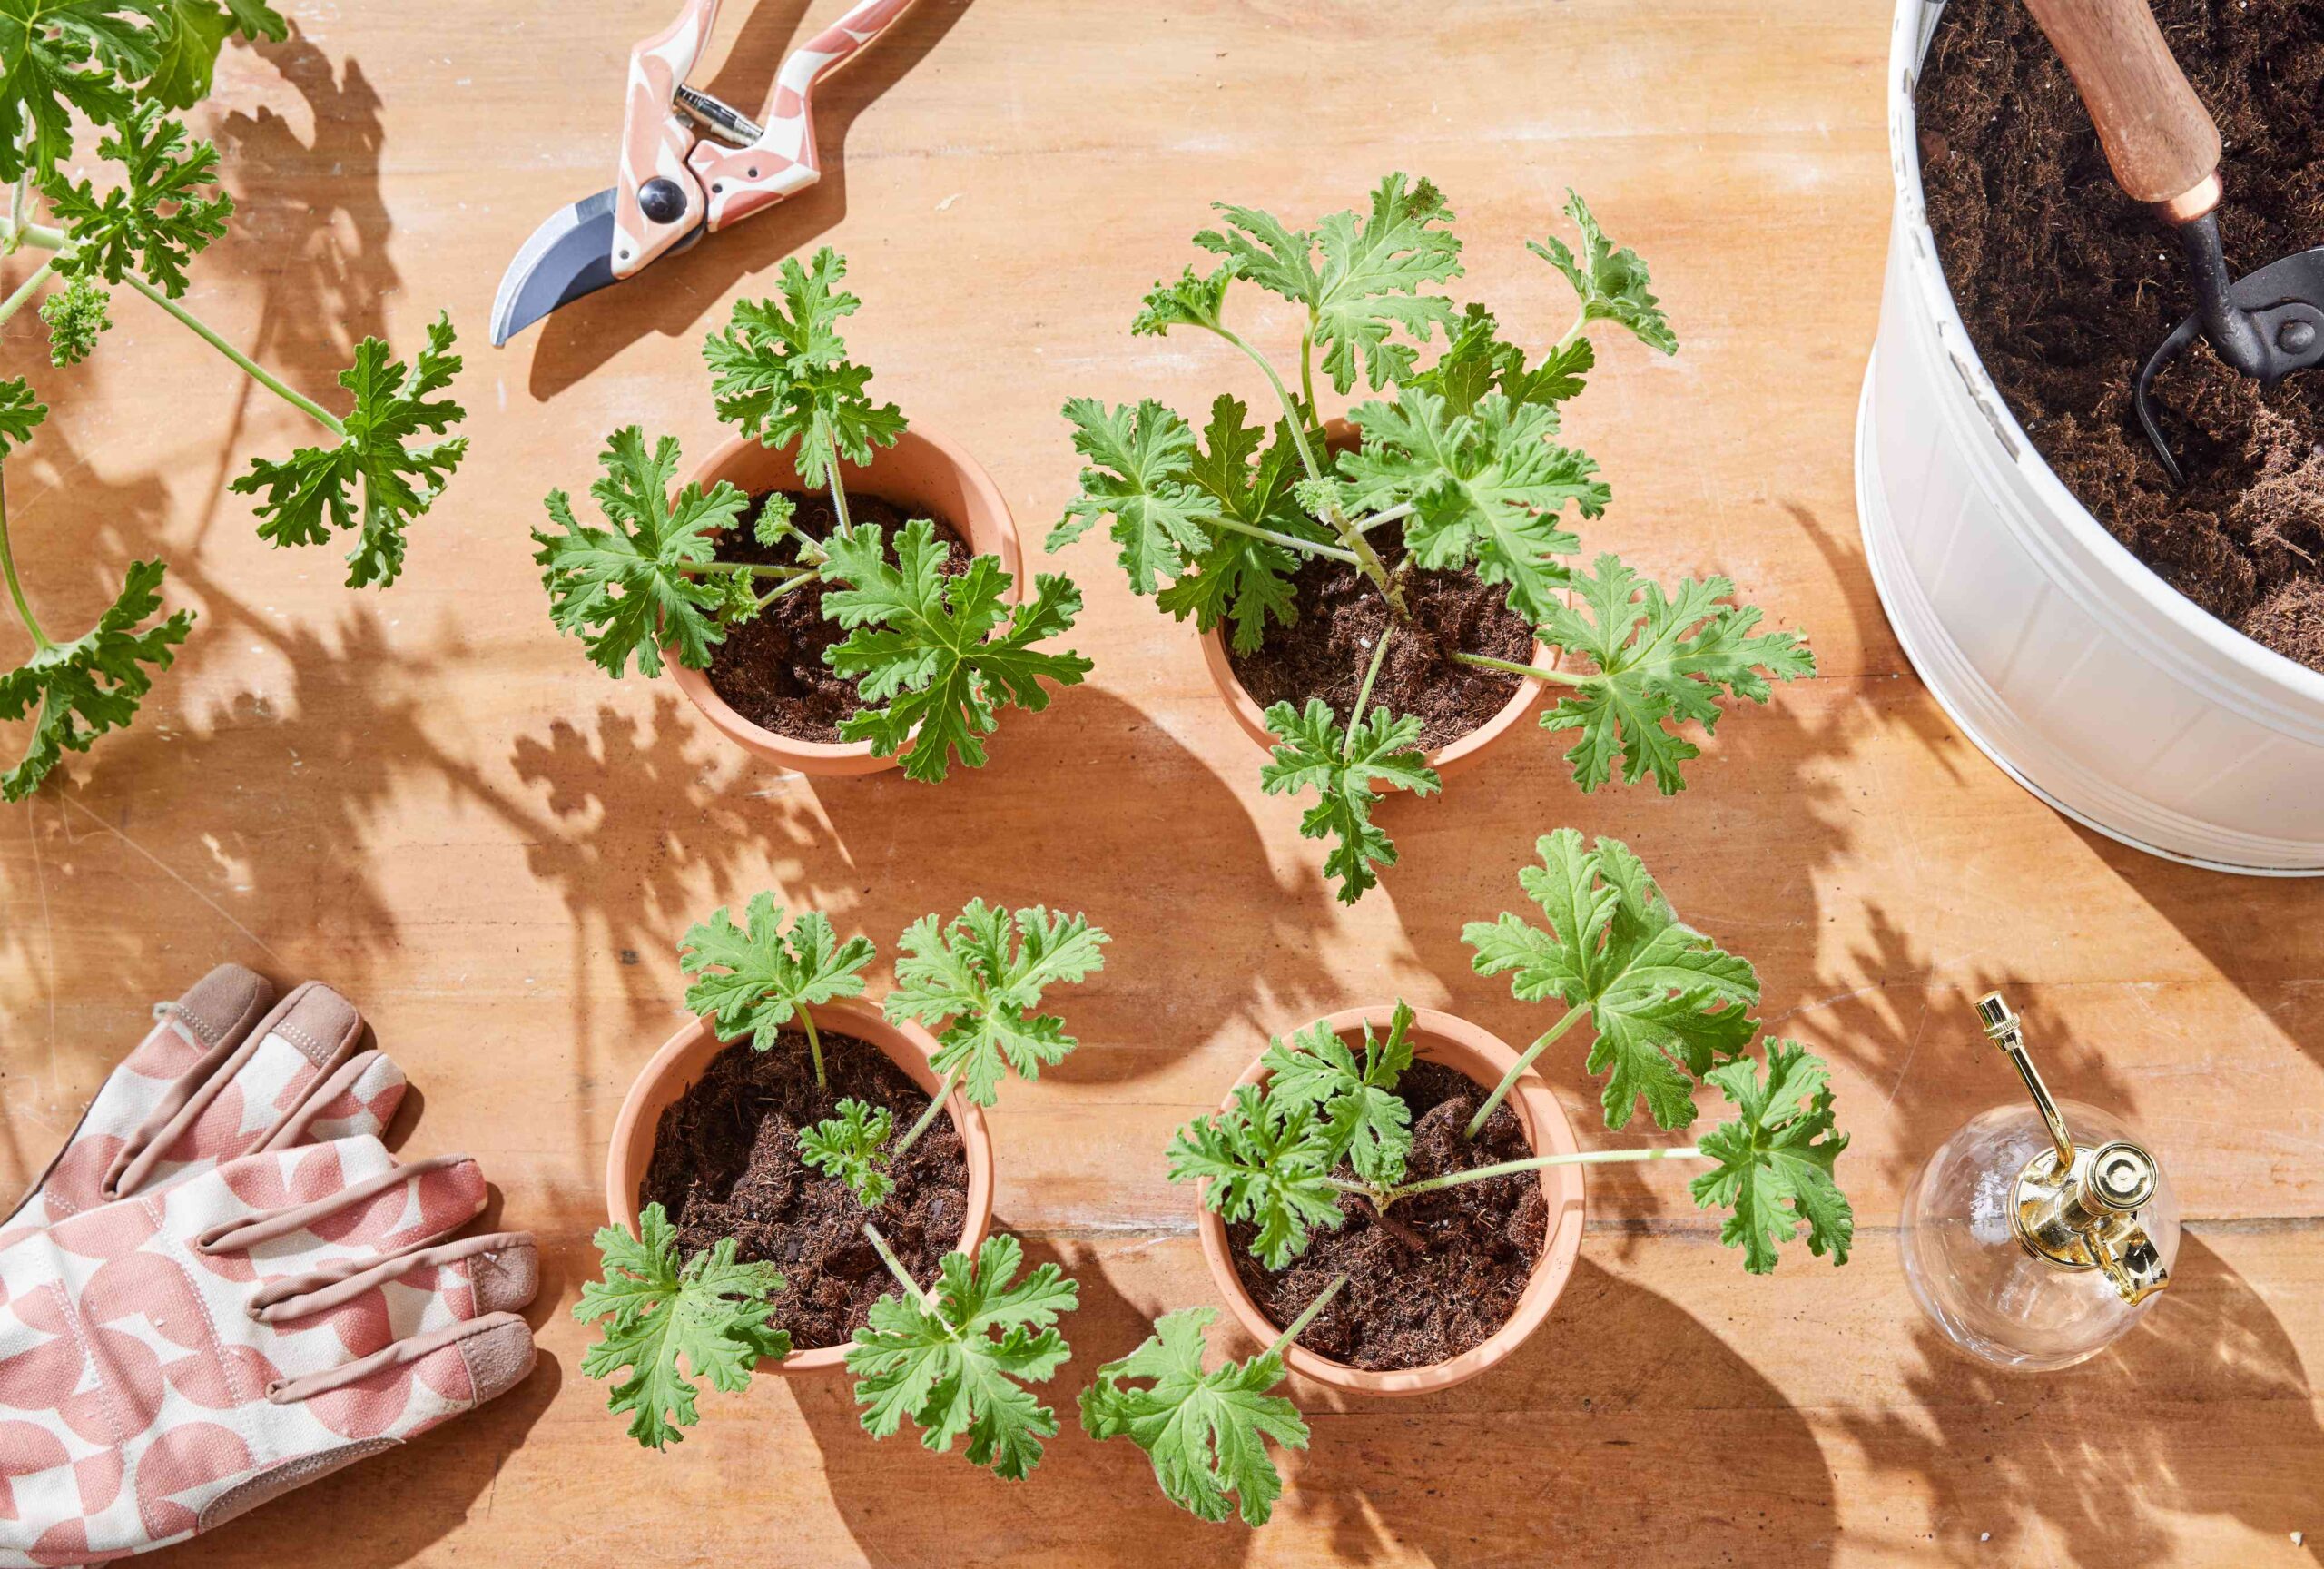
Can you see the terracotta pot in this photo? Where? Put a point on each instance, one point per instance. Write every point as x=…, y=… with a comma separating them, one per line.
x=684, y=1057
x=1463, y=1046
x=1448, y=759
x=922, y=474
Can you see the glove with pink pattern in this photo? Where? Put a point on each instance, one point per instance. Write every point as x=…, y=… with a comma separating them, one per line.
x=171, y=1359
x=221, y=1074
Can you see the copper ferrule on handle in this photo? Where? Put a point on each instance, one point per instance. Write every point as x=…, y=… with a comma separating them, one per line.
x=2196, y=202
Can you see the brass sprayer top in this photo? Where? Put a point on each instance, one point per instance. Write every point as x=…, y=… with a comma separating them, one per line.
x=2079, y=1207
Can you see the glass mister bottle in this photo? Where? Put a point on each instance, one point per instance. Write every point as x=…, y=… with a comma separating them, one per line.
x=2038, y=1234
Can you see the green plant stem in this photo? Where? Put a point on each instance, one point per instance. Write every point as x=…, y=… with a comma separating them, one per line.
x=48, y=239
x=1307, y=363
x=1364, y=692
x=1306, y=1317
x=1580, y=322
x=1536, y=1163
x=839, y=491
x=814, y=1044
x=1367, y=560
x=15, y=588
x=1483, y=662
x=935, y=1105
x=896, y=1266
x=1525, y=1059
x=27, y=288
x=746, y=569
x=1288, y=541
x=1401, y=510
x=780, y=589
x=251, y=367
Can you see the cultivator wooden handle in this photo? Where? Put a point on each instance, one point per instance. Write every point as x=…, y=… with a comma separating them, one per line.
x=2159, y=140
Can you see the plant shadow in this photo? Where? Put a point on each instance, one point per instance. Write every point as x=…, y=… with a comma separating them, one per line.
x=674, y=818
x=2098, y=1457
x=579, y=338
x=1378, y=1482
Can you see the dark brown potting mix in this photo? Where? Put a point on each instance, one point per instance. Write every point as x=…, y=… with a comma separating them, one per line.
x=771, y=669
x=727, y=1164
x=1441, y=1271
x=2066, y=285
x=1325, y=652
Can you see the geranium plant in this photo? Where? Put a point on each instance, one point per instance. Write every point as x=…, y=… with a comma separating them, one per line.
x=125, y=67
x=934, y=655
x=1671, y=1008
x=979, y=978
x=1459, y=456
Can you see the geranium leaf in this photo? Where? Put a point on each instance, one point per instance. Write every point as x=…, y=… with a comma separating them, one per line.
x=623, y=589
x=1205, y=1432
x=712, y=1311
x=1668, y=1001
x=399, y=478
x=956, y=1360
x=1775, y=1160
x=980, y=976
x=1662, y=660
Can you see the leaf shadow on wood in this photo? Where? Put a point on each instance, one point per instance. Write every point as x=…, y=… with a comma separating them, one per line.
x=2260, y=932
x=2175, y=1419
x=310, y=230
x=662, y=821
x=1549, y=1433
x=675, y=292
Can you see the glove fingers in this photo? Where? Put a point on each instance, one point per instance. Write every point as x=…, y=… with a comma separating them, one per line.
x=374, y=1403
x=359, y=1097
x=190, y=1038
x=417, y=1291
x=373, y=1215
x=409, y=1386
x=236, y=1101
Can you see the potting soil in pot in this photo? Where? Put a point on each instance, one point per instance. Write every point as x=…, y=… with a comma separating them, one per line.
x=1441, y=1271
x=2066, y=285
x=771, y=669
x=1325, y=652
x=727, y=1164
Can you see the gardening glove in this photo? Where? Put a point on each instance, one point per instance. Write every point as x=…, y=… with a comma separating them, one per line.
x=170, y=1360
x=220, y=1075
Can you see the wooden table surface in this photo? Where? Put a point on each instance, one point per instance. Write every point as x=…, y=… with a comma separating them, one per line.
x=430, y=800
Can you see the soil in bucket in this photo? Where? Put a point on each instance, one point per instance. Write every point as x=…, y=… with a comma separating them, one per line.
x=2066, y=285
x=727, y=1164
x=1441, y=1271
x=1325, y=652
x=771, y=669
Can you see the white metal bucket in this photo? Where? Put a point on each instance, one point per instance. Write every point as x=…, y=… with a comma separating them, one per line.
x=2090, y=680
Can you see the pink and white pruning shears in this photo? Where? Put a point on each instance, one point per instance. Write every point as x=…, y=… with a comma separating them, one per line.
x=689, y=163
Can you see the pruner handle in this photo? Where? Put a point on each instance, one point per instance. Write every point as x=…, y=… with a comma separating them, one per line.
x=656, y=201
x=2160, y=142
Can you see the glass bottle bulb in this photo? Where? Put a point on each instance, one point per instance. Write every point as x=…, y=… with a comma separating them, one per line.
x=1984, y=1289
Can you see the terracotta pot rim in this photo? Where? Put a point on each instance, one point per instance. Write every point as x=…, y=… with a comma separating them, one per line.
x=1447, y=758
x=907, y=1045
x=1564, y=1188
x=847, y=758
